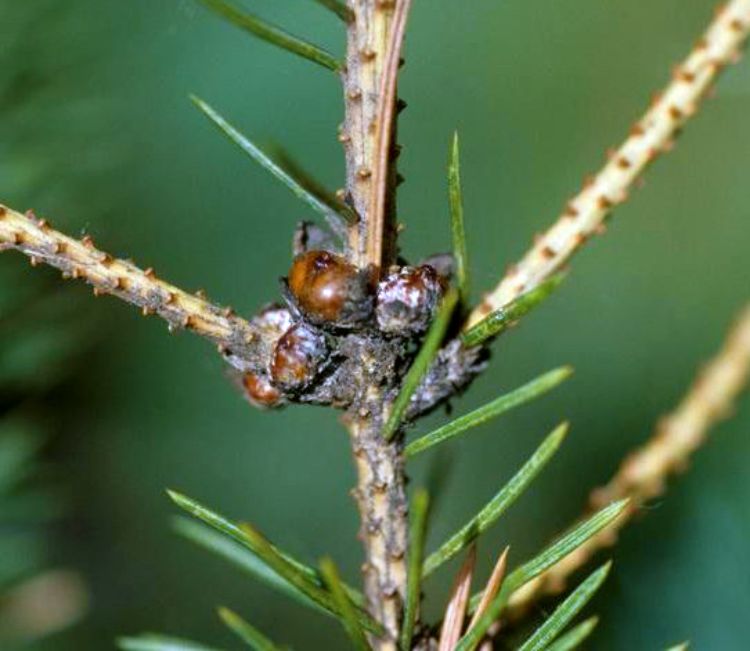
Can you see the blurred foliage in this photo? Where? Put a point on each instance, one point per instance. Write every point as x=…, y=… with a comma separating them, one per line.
x=538, y=91
x=43, y=333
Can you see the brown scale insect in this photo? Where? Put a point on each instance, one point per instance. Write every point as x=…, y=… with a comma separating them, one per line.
x=298, y=357
x=407, y=299
x=328, y=290
x=260, y=392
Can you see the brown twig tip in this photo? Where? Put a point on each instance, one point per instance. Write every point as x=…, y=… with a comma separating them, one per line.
x=654, y=134
x=120, y=278
x=644, y=473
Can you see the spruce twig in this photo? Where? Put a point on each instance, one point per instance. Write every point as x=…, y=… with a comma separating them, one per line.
x=375, y=31
x=121, y=278
x=385, y=124
x=373, y=36
x=651, y=136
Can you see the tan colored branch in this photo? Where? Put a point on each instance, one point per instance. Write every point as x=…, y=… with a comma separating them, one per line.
x=369, y=39
x=385, y=121
x=121, y=278
x=643, y=474
x=650, y=137
x=381, y=499
x=374, y=39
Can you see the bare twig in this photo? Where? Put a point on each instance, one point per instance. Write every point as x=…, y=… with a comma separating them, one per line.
x=650, y=137
x=370, y=40
x=121, y=278
x=386, y=126
x=381, y=499
x=643, y=474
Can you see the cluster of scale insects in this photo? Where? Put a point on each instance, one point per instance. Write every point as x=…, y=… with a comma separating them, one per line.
x=337, y=317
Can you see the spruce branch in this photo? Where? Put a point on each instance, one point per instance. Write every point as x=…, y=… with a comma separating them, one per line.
x=385, y=126
x=368, y=133
x=374, y=39
x=121, y=278
x=653, y=135
x=380, y=394
x=381, y=499
x=643, y=474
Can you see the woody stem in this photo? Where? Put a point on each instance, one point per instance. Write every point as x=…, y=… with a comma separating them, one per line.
x=374, y=39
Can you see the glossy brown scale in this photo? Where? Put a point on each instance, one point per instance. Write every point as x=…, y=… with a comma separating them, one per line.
x=329, y=290
x=407, y=299
x=260, y=392
x=297, y=358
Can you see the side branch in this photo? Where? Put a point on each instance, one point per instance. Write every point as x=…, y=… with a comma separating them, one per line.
x=642, y=475
x=650, y=137
x=121, y=278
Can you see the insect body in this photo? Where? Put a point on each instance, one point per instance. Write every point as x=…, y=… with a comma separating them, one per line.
x=297, y=357
x=407, y=299
x=330, y=291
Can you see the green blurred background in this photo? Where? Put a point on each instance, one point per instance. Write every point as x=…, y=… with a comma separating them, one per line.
x=538, y=90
